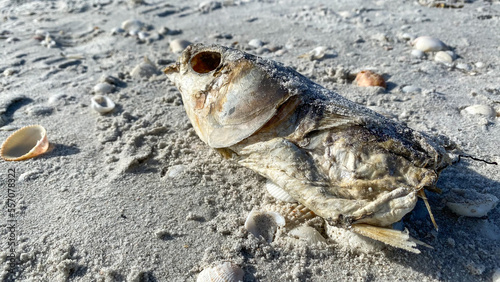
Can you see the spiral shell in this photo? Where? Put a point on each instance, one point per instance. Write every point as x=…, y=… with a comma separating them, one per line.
x=25, y=143
x=223, y=272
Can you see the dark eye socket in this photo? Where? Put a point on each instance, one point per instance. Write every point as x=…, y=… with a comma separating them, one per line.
x=204, y=62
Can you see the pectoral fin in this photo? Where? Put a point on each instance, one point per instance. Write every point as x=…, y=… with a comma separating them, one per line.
x=395, y=238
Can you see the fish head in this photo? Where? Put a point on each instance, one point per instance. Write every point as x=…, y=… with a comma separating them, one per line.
x=226, y=94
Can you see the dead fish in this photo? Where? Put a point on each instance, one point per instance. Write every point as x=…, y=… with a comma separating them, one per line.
x=346, y=163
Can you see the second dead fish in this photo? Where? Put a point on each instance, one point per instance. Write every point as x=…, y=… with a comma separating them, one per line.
x=346, y=163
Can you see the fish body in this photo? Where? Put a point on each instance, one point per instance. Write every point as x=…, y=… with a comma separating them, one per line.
x=346, y=163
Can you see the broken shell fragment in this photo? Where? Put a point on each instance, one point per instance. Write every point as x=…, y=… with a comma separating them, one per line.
x=25, y=143
x=102, y=104
x=368, y=78
x=278, y=193
x=483, y=110
x=223, y=272
x=470, y=203
x=264, y=224
x=308, y=234
x=428, y=44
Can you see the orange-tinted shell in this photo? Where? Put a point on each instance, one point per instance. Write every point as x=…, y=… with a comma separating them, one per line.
x=25, y=143
x=369, y=78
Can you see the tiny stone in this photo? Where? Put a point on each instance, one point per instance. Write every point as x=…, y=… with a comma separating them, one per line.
x=178, y=45
x=443, y=57
x=479, y=65
x=9, y=72
x=103, y=88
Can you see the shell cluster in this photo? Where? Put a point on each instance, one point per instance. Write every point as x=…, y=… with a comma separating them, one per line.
x=25, y=143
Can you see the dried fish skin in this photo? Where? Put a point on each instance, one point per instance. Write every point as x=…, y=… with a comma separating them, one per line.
x=341, y=160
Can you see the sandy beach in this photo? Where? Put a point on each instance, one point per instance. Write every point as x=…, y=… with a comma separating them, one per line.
x=133, y=194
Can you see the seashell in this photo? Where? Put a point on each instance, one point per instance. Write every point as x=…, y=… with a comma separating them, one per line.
x=178, y=45
x=103, y=88
x=25, y=143
x=428, y=44
x=315, y=54
x=369, y=78
x=443, y=57
x=264, y=224
x=308, y=234
x=222, y=272
x=145, y=69
x=278, y=192
x=101, y=104
x=483, y=110
x=470, y=203
x=411, y=89
x=417, y=53
x=132, y=26
x=255, y=43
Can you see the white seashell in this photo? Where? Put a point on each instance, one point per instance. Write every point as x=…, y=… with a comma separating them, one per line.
x=464, y=67
x=103, y=88
x=470, y=203
x=278, y=192
x=483, y=110
x=132, y=25
x=317, y=53
x=178, y=45
x=102, y=104
x=142, y=35
x=308, y=234
x=25, y=143
x=145, y=69
x=429, y=44
x=443, y=57
x=417, y=53
x=223, y=272
x=264, y=224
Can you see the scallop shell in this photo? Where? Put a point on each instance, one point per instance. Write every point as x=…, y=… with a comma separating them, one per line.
x=278, y=192
x=369, y=78
x=102, y=104
x=25, y=143
x=307, y=233
x=428, y=44
x=223, y=272
x=264, y=224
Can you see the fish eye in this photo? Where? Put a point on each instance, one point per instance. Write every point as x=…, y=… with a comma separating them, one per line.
x=204, y=62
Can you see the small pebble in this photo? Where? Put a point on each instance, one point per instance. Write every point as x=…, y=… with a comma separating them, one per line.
x=411, y=89
x=428, y=44
x=176, y=170
x=483, y=110
x=178, y=45
x=479, y=65
x=103, y=88
x=255, y=43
